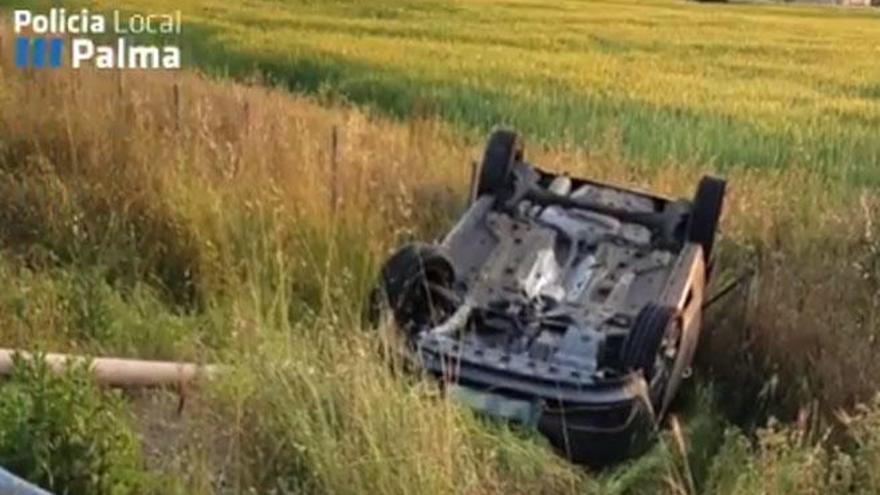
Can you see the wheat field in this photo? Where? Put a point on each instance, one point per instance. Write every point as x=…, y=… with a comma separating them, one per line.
x=653, y=81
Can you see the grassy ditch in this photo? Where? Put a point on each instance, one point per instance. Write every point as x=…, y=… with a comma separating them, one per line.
x=179, y=217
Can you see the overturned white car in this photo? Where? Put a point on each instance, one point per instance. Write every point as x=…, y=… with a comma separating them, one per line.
x=562, y=303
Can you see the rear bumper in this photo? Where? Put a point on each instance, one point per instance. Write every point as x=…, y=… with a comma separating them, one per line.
x=585, y=434
x=589, y=422
x=599, y=436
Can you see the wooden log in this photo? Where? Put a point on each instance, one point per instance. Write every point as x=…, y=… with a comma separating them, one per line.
x=118, y=372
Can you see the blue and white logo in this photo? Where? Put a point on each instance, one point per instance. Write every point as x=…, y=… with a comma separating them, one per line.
x=38, y=52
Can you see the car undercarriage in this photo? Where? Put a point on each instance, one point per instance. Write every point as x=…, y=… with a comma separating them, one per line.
x=561, y=303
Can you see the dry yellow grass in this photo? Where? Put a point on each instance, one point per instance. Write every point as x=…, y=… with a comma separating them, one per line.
x=208, y=204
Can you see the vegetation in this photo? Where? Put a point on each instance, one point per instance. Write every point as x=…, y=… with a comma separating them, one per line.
x=174, y=216
x=178, y=217
x=653, y=81
x=63, y=433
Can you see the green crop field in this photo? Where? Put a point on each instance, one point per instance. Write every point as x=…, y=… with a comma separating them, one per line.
x=653, y=81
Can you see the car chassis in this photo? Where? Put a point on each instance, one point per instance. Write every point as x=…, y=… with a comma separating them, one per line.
x=561, y=303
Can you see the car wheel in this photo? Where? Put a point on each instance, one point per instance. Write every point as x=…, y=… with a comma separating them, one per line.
x=503, y=150
x=706, y=212
x=642, y=346
x=410, y=284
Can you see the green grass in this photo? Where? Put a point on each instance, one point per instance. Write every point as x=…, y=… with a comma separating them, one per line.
x=653, y=81
x=64, y=433
x=219, y=242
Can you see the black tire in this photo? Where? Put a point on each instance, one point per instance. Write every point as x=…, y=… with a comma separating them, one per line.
x=706, y=212
x=642, y=345
x=407, y=282
x=503, y=150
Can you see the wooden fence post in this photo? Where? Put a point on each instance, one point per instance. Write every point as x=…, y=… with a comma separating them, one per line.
x=176, y=96
x=334, y=171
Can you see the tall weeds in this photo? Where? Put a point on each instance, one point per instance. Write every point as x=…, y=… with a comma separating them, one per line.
x=170, y=215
